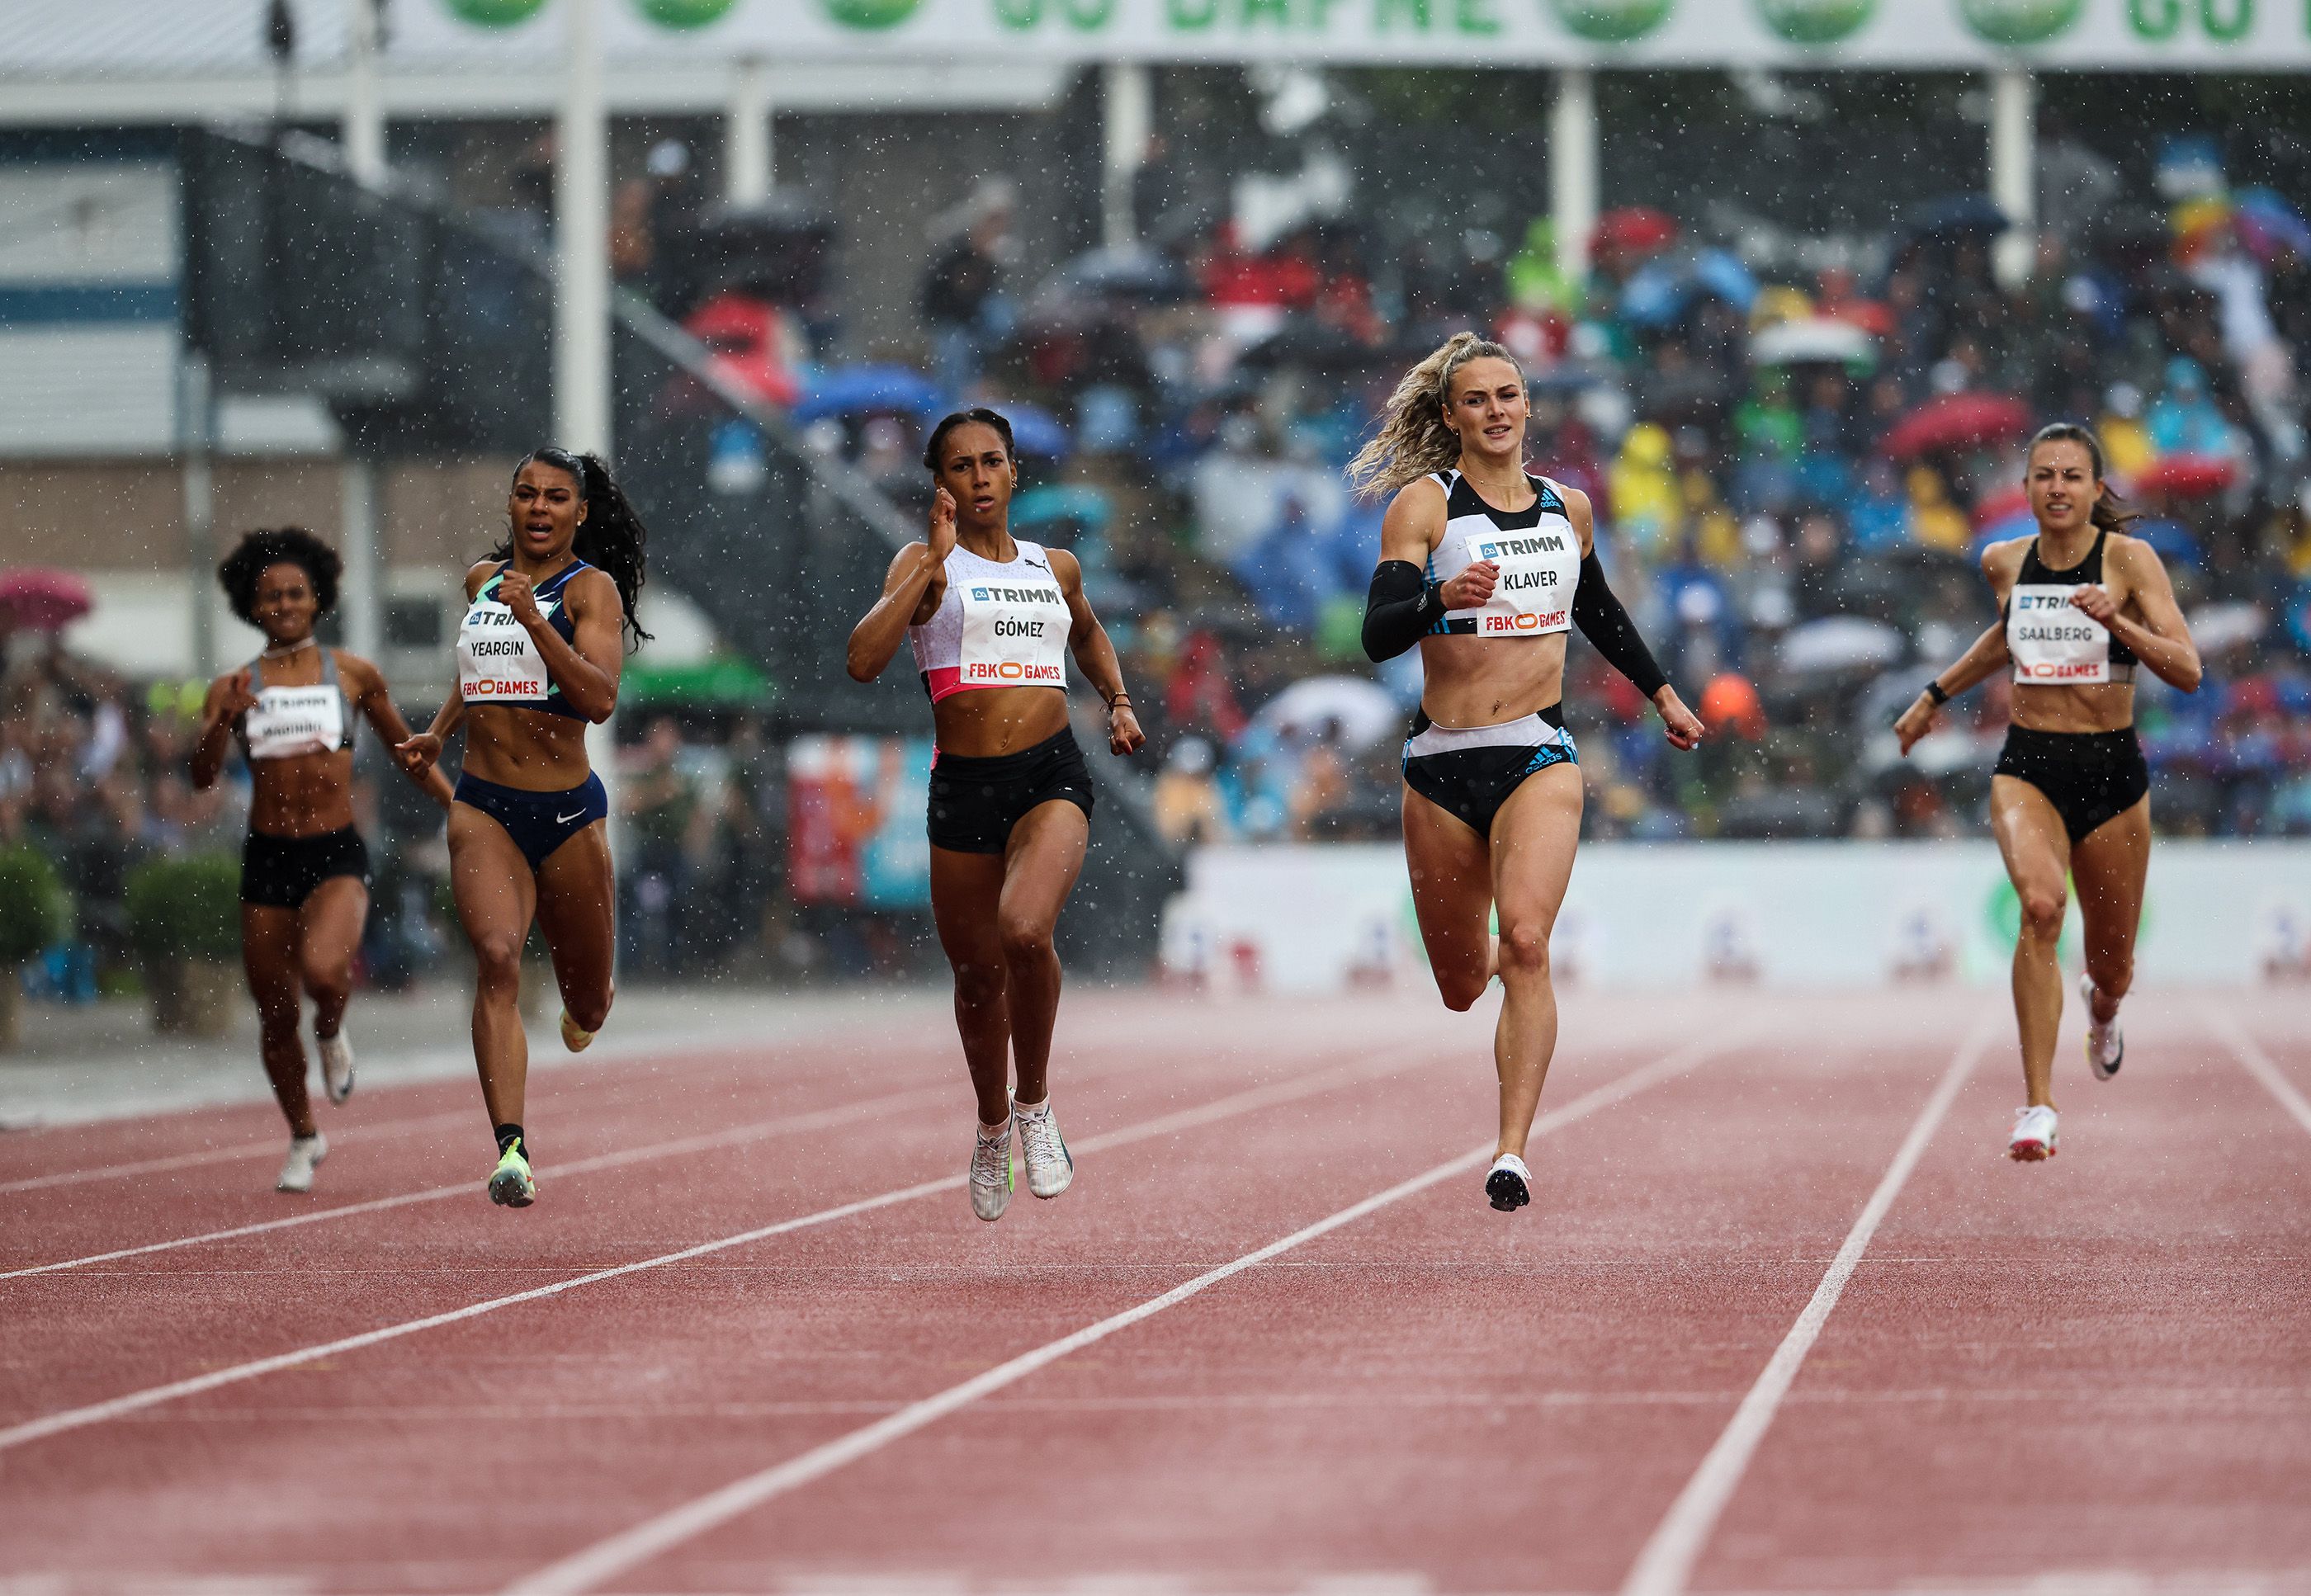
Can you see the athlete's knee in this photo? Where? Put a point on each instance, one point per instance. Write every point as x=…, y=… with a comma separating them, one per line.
x=497, y=958
x=1025, y=939
x=2112, y=970
x=586, y=1010
x=1525, y=951
x=2042, y=913
x=978, y=983
x=1461, y=988
x=327, y=978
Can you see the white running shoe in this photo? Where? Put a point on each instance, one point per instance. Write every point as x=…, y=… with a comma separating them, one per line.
x=304, y=1153
x=2034, y=1135
x=1508, y=1183
x=2105, y=1044
x=1050, y=1168
x=990, y=1174
x=337, y=1065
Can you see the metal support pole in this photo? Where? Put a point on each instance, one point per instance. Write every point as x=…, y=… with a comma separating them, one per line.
x=361, y=589
x=196, y=435
x=364, y=123
x=1127, y=99
x=748, y=154
x=581, y=296
x=2014, y=169
x=1572, y=168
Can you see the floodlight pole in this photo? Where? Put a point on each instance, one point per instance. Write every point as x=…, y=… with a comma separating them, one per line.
x=2014, y=169
x=362, y=590
x=197, y=445
x=749, y=157
x=364, y=123
x=1572, y=168
x=581, y=288
x=1128, y=101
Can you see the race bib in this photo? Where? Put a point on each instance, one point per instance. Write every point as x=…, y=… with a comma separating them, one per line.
x=2052, y=642
x=286, y=722
x=497, y=662
x=1015, y=633
x=1539, y=569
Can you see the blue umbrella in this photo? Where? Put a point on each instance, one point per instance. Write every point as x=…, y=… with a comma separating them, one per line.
x=867, y=390
x=1035, y=429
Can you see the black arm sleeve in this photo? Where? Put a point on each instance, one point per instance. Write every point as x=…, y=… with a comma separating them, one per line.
x=1401, y=608
x=1607, y=625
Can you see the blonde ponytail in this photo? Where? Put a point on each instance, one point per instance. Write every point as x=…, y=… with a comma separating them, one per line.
x=1414, y=440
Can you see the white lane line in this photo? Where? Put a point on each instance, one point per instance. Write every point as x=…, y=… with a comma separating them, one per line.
x=784, y=1124
x=733, y=1136
x=1393, y=1061
x=2257, y=1063
x=629, y=1548
x=1666, y=1562
x=270, y=1147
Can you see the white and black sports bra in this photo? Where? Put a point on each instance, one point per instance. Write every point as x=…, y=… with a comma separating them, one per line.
x=286, y=722
x=2052, y=642
x=1536, y=548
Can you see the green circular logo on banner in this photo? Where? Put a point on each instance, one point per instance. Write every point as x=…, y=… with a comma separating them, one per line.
x=684, y=14
x=1613, y=22
x=1815, y=22
x=870, y=14
x=2020, y=21
x=493, y=13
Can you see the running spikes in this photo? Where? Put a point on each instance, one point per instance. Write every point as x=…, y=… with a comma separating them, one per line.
x=512, y=1184
x=1508, y=1183
x=2105, y=1044
x=1050, y=1168
x=305, y=1152
x=573, y=1038
x=2034, y=1135
x=991, y=1173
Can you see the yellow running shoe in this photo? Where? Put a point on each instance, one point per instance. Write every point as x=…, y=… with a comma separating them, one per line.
x=512, y=1185
x=572, y=1038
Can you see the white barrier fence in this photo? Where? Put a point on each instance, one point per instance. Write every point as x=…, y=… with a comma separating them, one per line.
x=1318, y=918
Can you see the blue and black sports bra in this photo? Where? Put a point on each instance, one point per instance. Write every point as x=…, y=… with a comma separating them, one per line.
x=497, y=663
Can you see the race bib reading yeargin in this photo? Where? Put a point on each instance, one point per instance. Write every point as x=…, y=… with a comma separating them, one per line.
x=2052, y=640
x=1539, y=570
x=1015, y=632
x=286, y=722
x=497, y=663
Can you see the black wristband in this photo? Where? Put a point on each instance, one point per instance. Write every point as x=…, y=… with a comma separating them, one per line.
x=1934, y=691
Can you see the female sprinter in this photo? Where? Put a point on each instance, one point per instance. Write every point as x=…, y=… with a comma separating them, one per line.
x=304, y=871
x=539, y=653
x=992, y=618
x=2081, y=604
x=1486, y=566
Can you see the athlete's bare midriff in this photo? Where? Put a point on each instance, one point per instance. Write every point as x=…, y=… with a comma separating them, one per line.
x=990, y=723
x=527, y=749
x=305, y=795
x=1483, y=680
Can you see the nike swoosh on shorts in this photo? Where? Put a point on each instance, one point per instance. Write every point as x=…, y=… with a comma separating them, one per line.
x=566, y=819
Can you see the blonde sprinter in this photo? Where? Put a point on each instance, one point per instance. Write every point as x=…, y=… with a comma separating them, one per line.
x=1486, y=567
x=2081, y=606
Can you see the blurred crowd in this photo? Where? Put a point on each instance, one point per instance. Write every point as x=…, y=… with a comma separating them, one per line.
x=1794, y=470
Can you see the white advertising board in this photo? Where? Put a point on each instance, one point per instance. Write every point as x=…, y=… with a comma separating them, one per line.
x=1795, y=914
x=2131, y=35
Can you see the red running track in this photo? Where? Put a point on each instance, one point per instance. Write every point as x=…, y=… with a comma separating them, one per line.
x=1780, y=1317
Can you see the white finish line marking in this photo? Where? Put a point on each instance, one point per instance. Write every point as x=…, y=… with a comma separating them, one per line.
x=1666, y=1562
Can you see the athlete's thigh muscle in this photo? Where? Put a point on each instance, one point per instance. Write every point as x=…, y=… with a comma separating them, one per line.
x=1042, y=863
x=578, y=909
x=1535, y=836
x=332, y=921
x=268, y=951
x=2030, y=837
x=1451, y=877
x=966, y=894
x=2109, y=866
x=489, y=877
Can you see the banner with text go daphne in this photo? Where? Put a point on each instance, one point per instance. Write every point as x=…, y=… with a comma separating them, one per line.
x=2132, y=35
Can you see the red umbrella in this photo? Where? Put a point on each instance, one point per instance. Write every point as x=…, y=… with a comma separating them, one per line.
x=1957, y=421
x=2186, y=477
x=40, y=598
x=1634, y=230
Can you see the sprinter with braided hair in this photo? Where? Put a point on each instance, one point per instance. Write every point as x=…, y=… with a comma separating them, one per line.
x=549, y=615
x=1486, y=567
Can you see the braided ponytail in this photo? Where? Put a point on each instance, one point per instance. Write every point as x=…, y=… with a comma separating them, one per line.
x=612, y=536
x=1414, y=440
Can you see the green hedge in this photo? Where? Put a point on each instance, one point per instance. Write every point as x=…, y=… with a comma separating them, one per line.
x=185, y=908
x=35, y=910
